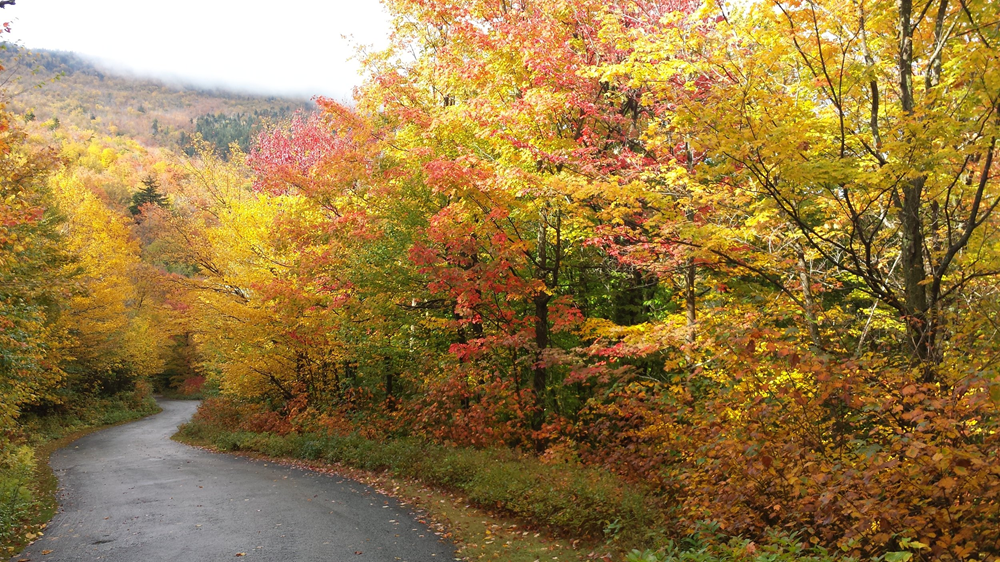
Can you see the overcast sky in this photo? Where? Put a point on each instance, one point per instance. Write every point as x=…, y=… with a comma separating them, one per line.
x=292, y=47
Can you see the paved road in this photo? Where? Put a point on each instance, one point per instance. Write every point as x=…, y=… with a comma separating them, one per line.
x=129, y=493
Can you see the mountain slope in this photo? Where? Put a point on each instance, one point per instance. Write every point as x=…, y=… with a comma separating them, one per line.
x=63, y=88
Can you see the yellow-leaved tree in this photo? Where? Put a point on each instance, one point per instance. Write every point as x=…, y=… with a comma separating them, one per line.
x=118, y=335
x=31, y=284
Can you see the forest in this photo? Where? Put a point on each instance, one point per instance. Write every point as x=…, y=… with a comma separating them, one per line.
x=681, y=280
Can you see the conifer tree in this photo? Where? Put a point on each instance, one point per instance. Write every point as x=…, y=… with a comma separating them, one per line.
x=148, y=194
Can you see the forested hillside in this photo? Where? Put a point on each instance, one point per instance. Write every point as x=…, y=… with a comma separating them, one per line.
x=684, y=281
x=63, y=89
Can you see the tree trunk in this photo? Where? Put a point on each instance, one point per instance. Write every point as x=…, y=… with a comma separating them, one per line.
x=390, y=399
x=807, y=298
x=920, y=327
x=691, y=301
x=540, y=379
x=690, y=297
x=541, y=302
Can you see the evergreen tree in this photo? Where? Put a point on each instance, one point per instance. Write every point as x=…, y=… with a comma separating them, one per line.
x=147, y=194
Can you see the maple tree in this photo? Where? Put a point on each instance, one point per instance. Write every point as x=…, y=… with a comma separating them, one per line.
x=117, y=335
x=510, y=138
x=78, y=317
x=888, y=175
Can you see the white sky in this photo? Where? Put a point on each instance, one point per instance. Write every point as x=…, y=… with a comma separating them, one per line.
x=291, y=47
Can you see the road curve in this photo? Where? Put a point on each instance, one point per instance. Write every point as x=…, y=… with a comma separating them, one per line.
x=129, y=493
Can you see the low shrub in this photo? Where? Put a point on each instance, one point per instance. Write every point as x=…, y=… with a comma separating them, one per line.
x=16, y=465
x=707, y=544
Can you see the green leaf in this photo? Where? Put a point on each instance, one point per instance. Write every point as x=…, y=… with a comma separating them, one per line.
x=995, y=393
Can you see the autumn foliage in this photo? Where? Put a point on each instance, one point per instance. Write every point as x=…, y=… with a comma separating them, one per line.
x=743, y=257
x=740, y=256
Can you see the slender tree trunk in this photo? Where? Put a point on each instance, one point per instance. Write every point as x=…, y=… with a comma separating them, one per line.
x=540, y=379
x=906, y=56
x=389, y=400
x=460, y=332
x=390, y=397
x=690, y=277
x=918, y=322
x=303, y=375
x=338, y=394
x=807, y=298
x=541, y=302
x=691, y=300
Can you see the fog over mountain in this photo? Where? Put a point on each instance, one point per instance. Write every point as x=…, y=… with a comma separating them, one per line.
x=301, y=49
x=64, y=88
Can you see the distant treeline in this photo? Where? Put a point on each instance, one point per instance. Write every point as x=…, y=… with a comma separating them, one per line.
x=222, y=130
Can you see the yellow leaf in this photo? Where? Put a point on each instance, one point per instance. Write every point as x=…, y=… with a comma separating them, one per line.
x=947, y=482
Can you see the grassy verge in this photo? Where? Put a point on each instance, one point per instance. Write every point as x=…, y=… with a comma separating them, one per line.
x=28, y=485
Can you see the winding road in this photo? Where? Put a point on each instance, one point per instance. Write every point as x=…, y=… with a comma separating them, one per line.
x=129, y=493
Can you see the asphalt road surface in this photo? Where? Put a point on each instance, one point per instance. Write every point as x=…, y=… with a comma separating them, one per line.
x=129, y=493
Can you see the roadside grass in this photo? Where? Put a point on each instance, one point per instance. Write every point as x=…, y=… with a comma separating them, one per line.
x=27, y=484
